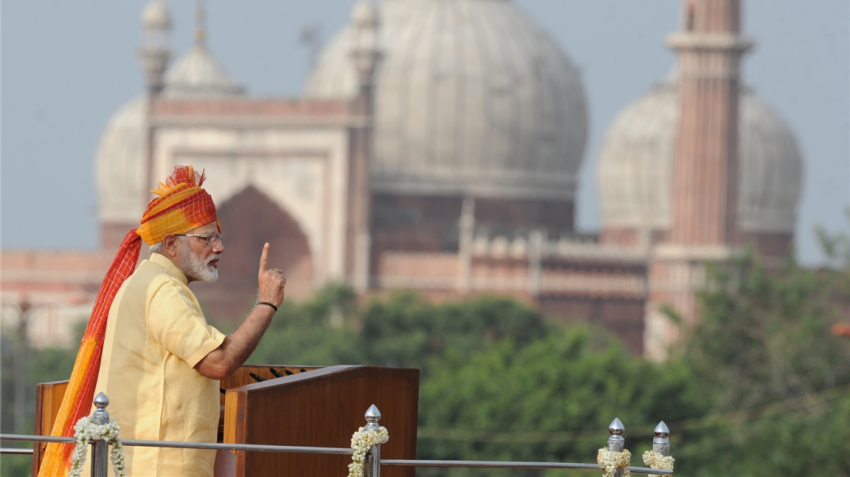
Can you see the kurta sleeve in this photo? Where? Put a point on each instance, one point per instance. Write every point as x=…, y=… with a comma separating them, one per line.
x=177, y=324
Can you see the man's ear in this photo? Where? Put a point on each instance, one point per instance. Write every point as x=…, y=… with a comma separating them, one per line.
x=170, y=246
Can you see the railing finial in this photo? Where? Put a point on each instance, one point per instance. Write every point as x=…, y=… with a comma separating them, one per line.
x=661, y=441
x=616, y=443
x=373, y=415
x=101, y=415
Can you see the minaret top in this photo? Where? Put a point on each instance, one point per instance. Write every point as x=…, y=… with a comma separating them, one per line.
x=200, y=23
x=156, y=16
x=712, y=16
x=711, y=25
x=155, y=51
x=365, y=51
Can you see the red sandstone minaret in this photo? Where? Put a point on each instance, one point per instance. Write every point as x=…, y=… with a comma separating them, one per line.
x=705, y=170
x=705, y=165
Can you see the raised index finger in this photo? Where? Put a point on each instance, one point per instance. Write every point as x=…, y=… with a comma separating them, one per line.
x=264, y=258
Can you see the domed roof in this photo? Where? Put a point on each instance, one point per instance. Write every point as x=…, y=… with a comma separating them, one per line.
x=635, y=170
x=199, y=73
x=472, y=97
x=120, y=165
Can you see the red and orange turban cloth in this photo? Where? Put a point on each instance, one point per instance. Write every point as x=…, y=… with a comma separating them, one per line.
x=181, y=205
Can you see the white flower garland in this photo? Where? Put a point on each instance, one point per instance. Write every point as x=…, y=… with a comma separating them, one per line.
x=611, y=461
x=361, y=442
x=657, y=461
x=86, y=432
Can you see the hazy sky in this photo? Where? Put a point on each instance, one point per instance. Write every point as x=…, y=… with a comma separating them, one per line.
x=67, y=66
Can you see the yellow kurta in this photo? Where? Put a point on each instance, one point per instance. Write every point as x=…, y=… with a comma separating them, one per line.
x=155, y=335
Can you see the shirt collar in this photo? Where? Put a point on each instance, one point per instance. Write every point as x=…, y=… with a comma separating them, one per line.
x=170, y=268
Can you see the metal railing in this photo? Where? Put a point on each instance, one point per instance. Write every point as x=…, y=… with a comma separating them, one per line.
x=100, y=455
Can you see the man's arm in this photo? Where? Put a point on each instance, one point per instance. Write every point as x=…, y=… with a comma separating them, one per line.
x=224, y=360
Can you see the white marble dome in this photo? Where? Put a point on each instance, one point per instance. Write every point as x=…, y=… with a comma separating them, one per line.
x=120, y=165
x=472, y=98
x=636, y=164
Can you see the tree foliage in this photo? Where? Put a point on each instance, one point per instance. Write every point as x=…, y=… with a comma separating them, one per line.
x=776, y=377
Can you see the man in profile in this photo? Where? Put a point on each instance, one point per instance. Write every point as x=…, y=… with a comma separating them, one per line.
x=161, y=362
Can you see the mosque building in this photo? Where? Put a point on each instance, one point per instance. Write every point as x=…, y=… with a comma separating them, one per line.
x=437, y=147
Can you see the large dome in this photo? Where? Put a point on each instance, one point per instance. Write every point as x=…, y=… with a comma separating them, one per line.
x=472, y=98
x=635, y=170
x=120, y=165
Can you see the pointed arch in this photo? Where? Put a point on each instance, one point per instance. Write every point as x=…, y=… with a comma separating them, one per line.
x=249, y=219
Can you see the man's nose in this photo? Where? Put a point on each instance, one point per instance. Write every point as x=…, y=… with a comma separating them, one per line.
x=218, y=247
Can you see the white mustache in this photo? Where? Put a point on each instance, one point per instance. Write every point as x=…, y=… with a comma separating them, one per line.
x=214, y=257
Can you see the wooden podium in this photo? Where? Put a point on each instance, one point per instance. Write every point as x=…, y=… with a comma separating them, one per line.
x=314, y=406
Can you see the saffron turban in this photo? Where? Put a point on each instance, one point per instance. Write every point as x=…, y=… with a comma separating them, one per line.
x=181, y=205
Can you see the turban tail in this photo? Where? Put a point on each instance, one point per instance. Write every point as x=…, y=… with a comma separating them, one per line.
x=181, y=206
x=78, y=396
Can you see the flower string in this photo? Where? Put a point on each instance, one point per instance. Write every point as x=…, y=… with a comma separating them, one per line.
x=85, y=433
x=658, y=461
x=611, y=461
x=361, y=442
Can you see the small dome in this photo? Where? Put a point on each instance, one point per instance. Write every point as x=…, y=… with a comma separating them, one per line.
x=156, y=16
x=635, y=170
x=471, y=98
x=199, y=73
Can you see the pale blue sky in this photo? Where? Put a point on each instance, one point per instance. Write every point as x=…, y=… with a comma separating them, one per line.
x=68, y=65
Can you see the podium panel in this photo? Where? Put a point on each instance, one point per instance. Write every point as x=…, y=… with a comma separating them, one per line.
x=48, y=398
x=321, y=408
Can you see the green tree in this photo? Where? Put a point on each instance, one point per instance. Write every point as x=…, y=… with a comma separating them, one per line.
x=402, y=330
x=550, y=400
x=777, y=379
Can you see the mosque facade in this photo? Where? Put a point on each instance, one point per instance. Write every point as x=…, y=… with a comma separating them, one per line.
x=436, y=147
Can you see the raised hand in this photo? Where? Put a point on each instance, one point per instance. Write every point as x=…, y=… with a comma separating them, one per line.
x=272, y=281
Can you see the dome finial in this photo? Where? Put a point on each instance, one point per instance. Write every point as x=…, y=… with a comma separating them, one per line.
x=200, y=23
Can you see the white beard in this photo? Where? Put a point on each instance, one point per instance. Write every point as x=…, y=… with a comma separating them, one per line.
x=195, y=267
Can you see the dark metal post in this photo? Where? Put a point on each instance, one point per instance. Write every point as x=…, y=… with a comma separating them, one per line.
x=661, y=441
x=373, y=458
x=100, y=448
x=616, y=443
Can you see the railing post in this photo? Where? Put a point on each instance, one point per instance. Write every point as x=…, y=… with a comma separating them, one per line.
x=373, y=459
x=616, y=443
x=661, y=441
x=100, y=448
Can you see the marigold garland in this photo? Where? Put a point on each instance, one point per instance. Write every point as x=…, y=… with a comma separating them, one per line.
x=87, y=432
x=361, y=442
x=611, y=461
x=654, y=460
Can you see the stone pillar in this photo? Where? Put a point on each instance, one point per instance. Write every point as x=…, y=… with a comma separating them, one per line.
x=365, y=56
x=705, y=166
x=705, y=170
x=467, y=234
x=155, y=52
x=536, y=243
